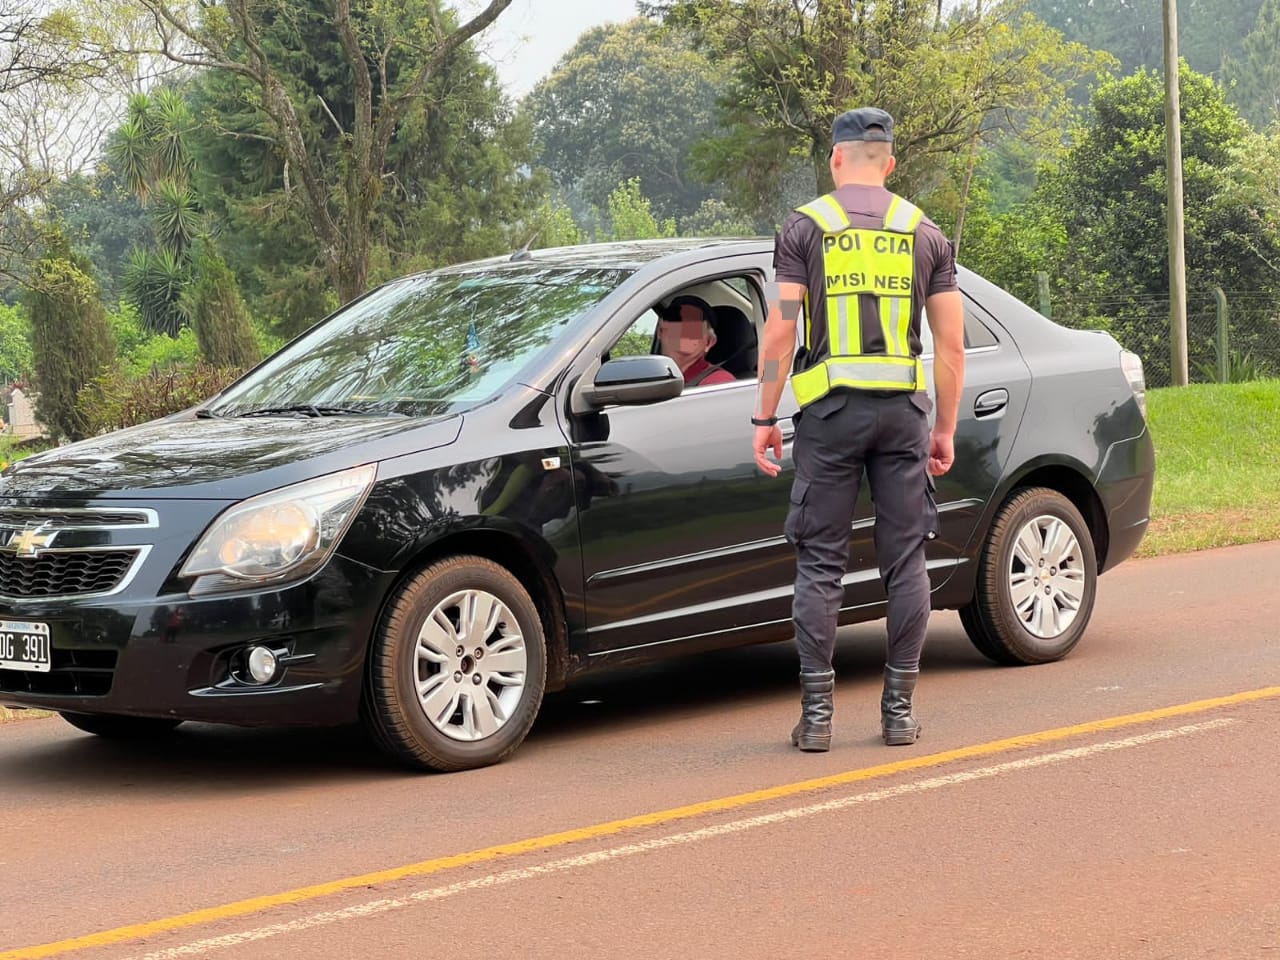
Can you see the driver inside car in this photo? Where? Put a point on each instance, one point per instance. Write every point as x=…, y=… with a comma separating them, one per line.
x=685, y=334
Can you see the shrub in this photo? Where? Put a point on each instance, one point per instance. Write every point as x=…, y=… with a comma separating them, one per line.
x=116, y=400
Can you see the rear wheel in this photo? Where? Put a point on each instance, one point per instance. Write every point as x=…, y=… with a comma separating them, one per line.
x=1037, y=578
x=457, y=668
x=115, y=727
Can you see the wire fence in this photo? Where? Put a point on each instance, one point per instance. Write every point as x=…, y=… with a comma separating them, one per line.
x=1232, y=336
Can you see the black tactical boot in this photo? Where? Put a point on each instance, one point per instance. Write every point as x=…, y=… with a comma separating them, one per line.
x=897, y=725
x=817, y=691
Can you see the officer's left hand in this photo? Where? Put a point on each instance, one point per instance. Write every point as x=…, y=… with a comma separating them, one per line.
x=766, y=439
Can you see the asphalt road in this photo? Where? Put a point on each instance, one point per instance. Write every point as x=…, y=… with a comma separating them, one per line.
x=1121, y=803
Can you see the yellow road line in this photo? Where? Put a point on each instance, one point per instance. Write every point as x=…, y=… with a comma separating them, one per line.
x=253, y=905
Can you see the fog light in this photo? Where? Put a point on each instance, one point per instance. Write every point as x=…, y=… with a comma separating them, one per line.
x=262, y=664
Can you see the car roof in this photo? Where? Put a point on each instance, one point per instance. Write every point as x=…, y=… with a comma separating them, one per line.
x=624, y=254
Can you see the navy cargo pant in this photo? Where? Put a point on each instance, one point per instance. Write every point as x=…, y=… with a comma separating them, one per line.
x=837, y=438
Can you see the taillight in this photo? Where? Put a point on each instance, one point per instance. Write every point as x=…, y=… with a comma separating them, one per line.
x=1131, y=364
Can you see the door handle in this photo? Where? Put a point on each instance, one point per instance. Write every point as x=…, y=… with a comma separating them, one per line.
x=991, y=402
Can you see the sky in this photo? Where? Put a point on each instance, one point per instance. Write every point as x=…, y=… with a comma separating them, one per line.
x=528, y=38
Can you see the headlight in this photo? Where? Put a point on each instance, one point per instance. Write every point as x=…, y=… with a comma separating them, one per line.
x=279, y=536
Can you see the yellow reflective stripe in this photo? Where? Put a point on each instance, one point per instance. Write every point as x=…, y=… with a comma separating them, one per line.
x=858, y=373
x=827, y=213
x=902, y=318
x=836, y=212
x=895, y=322
x=888, y=323
x=902, y=216
x=838, y=324
x=844, y=325
x=809, y=385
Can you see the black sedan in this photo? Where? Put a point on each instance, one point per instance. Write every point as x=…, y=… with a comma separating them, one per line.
x=474, y=485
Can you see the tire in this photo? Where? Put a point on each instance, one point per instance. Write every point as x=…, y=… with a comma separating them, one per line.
x=430, y=702
x=115, y=727
x=1037, y=580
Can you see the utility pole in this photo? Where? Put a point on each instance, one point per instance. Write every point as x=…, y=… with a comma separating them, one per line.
x=1173, y=151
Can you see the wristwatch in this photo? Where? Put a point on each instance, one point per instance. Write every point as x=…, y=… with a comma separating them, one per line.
x=764, y=421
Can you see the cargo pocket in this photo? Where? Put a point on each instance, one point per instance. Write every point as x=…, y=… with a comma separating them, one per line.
x=931, y=531
x=793, y=529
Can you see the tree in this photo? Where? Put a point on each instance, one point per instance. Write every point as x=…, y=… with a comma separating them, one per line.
x=456, y=183
x=1110, y=198
x=1254, y=75
x=102, y=221
x=153, y=154
x=71, y=342
x=15, y=344
x=43, y=58
x=1210, y=32
x=952, y=81
x=390, y=54
x=629, y=100
x=62, y=89
x=631, y=215
x=218, y=314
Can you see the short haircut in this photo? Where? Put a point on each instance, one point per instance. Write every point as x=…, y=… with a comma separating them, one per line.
x=866, y=151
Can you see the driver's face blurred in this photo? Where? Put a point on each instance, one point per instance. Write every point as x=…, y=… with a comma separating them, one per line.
x=688, y=339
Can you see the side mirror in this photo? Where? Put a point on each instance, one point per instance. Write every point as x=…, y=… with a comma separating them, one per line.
x=628, y=381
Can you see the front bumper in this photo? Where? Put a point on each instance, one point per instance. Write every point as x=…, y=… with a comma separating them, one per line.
x=171, y=656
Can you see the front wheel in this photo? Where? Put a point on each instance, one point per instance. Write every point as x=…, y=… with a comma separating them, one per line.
x=1037, y=578
x=115, y=727
x=457, y=668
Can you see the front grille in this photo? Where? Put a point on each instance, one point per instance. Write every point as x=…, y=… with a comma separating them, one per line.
x=63, y=574
x=74, y=519
x=73, y=673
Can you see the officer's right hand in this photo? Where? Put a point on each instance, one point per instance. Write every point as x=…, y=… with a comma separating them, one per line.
x=766, y=439
x=942, y=453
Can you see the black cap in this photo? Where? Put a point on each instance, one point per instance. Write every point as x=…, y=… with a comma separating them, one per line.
x=865, y=123
x=672, y=311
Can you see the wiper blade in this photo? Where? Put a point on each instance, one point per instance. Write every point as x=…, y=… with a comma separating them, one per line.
x=316, y=410
x=204, y=413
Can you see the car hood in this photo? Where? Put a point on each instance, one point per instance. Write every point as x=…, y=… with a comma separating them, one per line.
x=218, y=459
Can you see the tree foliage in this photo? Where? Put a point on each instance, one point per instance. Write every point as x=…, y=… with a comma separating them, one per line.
x=71, y=341
x=449, y=185
x=117, y=399
x=218, y=315
x=48, y=59
x=1253, y=75
x=1097, y=223
x=1210, y=32
x=628, y=101
x=390, y=59
x=102, y=221
x=631, y=215
x=951, y=80
x=15, y=344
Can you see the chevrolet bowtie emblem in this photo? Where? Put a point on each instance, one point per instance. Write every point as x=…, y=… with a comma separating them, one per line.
x=27, y=542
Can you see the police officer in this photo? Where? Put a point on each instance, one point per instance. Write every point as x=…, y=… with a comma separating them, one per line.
x=858, y=264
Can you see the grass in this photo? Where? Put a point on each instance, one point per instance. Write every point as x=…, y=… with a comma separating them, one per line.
x=1217, y=466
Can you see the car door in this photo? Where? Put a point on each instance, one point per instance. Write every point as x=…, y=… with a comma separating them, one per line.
x=682, y=539
x=997, y=384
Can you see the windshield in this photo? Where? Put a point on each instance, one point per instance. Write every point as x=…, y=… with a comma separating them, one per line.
x=423, y=346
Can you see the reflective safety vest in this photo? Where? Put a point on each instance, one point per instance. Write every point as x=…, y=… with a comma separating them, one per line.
x=863, y=267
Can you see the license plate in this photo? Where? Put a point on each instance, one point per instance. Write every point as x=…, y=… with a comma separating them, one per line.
x=24, y=646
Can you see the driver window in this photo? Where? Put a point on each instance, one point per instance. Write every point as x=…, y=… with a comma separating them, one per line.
x=732, y=315
x=638, y=341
